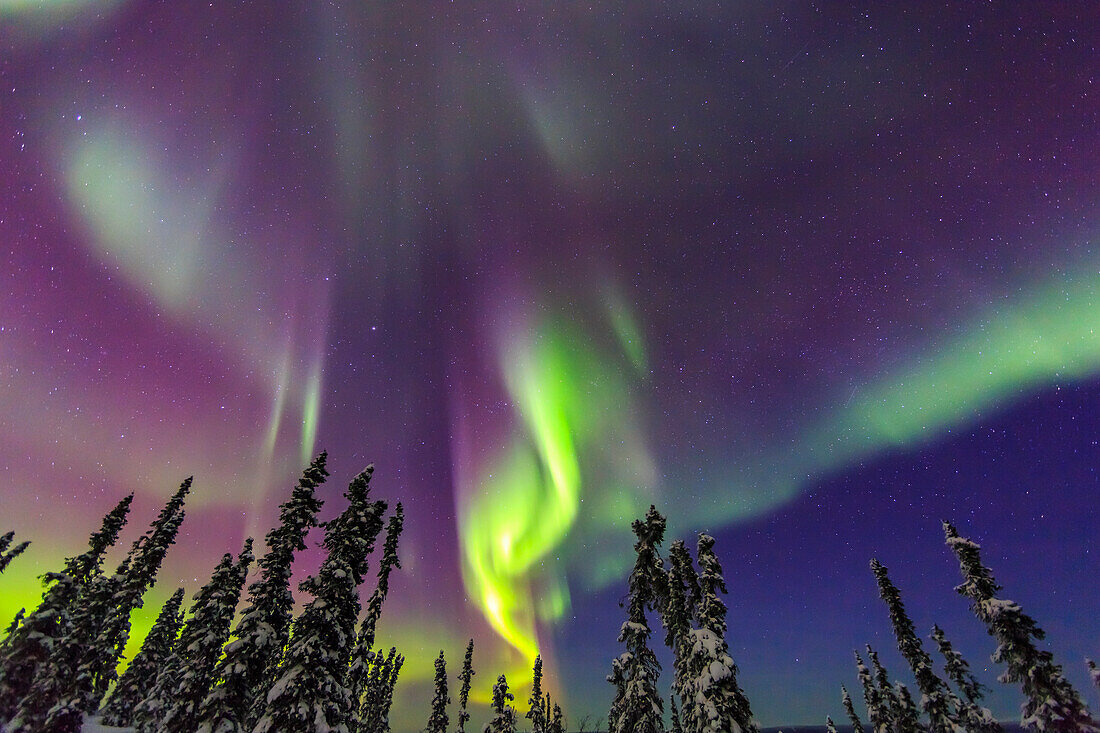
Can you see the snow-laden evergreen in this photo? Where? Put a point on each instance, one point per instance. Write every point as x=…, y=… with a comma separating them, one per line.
x=438, y=719
x=247, y=668
x=363, y=656
x=637, y=707
x=378, y=697
x=1051, y=704
x=6, y=555
x=504, y=715
x=465, y=678
x=935, y=697
x=887, y=693
x=30, y=643
x=100, y=638
x=908, y=715
x=309, y=692
x=137, y=681
x=849, y=709
x=713, y=702
x=201, y=642
x=184, y=678
x=878, y=714
x=536, y=710
x=557, y=720
x=1094, y=672
x=679, y=614
x=830, y=726
x=972, y=715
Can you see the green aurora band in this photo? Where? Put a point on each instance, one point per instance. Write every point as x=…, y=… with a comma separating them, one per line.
x=573, y=400
x=576, y=404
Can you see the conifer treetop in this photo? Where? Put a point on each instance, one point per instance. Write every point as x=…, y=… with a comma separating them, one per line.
x=466, y=678
x=846, y=699
x=438, y=720
x=1051, y=701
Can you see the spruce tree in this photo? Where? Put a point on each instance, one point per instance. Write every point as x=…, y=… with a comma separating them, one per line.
x=535, y=711
x=557, y=721
x=637, y=707
x=935, y=697
x=908, y=713
x=465, y=677
x=902, y=719
x=100, y=637
x=716, y=702
x=1094, y=672
x=137, y=681
x=877, y=713
x=370, y=705
x=678, y=616
x=30, y=645
x=504, y=715
x=846, y=699
x=674, y=714
x=387, y=696
x=1051, y=701
x=438, y=720
x=247, y=669
x=974, y=716
x=381, y=678
x=201, y=642
x=830, y=726
x=6, y=555
x=310, y=686
x=363, y=656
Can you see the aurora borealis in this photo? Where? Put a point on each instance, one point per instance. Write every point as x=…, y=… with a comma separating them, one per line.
x=810, y=278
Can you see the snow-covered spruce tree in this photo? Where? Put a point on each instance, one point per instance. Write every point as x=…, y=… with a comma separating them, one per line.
x=1051, y=704
x=830, y=726
x=536, y=713
x=678, y=616
x=1094, y=672
x=370, y=706
x=878, y=715
x=15, y=622
x=84, y=662
x=438, y=720
x=846, y=699
x=201, y=642
x=908, y=710
x=309, y=691
x=716, y=702
x=363, y=656
x=974, y=716
x=935, y=696
x=674, y=714
x=375, y=711
x=557, y=720
x=637, y=707
x=100, y=638
x=180, y=682
x=137, y=681
x=465, y=677
x=29, y=645
x=504, y=715
x=247, y=668
x=902, y=719
x=6, y=555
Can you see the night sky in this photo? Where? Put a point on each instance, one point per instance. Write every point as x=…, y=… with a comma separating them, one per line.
x=808, y=278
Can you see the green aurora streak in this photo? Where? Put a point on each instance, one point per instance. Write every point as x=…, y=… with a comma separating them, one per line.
x=574, y=401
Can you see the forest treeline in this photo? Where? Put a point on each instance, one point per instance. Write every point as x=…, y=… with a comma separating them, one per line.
x=272, y=672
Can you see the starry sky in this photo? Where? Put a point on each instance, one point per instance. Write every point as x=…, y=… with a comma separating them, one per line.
x=810, y=277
